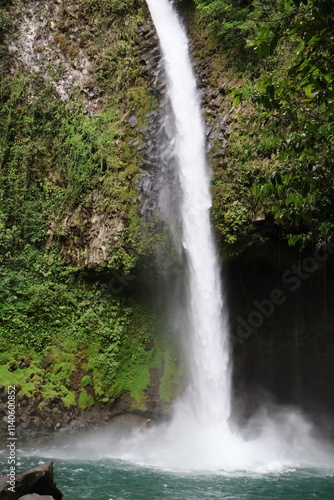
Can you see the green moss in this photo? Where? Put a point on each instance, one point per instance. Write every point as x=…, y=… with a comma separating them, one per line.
x=25, y=378
x=99, y=383
x=170, y=382
x=85, y=400
x=69, y=399
x=61, y=372
x=139, y=381
x=49, y=391
x=4, y=357
x=70, y=346
x=86, y=380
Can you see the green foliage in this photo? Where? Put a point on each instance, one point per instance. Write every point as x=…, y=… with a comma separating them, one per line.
x=60, y=161
x=170, y=382
x=35, y=380
x=62, y=372
x=69, y=399
x=86, y=380
x=125, y=364
x=52, y=313
x=280, y=155
x=7, y=27
x=54, y=159
x=20, y=377
x=85, y=400
x=235, y=222
x=107, y=7
x=86, y=144
x=245, y=26
x=40, y=299
x=297, y=115
x=32, y=136
x=281, y=150
x=52, y=319
x=139, y=381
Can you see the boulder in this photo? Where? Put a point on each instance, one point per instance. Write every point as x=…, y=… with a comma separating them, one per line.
x=36, y=496
x=37, y=481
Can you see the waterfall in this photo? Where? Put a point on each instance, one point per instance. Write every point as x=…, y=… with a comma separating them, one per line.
x=204, y=328
x=198, y=436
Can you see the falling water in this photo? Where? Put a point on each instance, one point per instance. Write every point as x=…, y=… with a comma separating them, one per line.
x=207, y=352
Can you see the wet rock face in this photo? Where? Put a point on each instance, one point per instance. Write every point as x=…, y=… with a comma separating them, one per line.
x=159, y=181
x=150, y=181
x=158, y=178
x=34, y=420
x=55, y=40
x=47, y=42
x=87, y=236
x=31, y=485
x=218, y=114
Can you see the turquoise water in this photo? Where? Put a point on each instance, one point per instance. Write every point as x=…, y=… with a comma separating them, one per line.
x=118, y=480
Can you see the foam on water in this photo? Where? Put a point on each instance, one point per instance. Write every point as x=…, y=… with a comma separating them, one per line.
x=268, y=445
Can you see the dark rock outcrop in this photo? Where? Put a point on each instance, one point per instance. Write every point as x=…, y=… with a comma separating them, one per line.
x=38, y=480
x=152, y=69
x=33, y=419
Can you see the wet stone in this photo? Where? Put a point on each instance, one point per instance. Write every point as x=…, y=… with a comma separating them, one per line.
x=133, y=121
